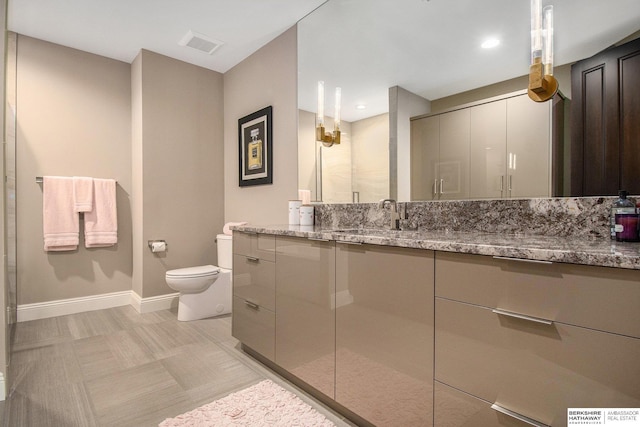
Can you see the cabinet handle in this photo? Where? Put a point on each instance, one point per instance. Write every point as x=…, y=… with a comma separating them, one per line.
x=531, y=261
x=517, y=416
x=501, y=183
x=510, y=183
x=441, y=186
x=316, y=239
x=522, y=316
x=435, y=187
x=253, y=259
x=252, y=305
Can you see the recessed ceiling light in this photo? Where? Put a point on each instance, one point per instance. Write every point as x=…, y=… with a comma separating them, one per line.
x=490, y=43
x=361, y=107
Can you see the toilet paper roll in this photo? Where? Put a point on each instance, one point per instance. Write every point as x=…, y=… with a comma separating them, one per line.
x=158, y=246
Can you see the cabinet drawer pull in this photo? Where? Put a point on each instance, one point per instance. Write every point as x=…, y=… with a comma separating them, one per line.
x=522, y=316
x=517, y=416
x=252, y=305
x=253, y=259
x=346, y=242
x=532, y=261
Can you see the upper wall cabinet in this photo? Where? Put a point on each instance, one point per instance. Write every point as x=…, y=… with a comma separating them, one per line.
x=495, y=149
x=605, y=127
x=440, y=156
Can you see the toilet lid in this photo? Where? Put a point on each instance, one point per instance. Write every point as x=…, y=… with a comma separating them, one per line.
x=203, y=270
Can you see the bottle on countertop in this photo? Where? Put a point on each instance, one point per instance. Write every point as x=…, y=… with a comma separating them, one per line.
x=621, y=206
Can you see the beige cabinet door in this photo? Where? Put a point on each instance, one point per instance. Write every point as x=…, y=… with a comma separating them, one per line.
x=452, y=168
x=305, y=301
x=488, y=148
x=425, y=152
x=528, y=147
x=534, y=369
x=384, y=333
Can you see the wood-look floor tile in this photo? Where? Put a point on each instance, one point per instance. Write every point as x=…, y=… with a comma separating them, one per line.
x=134, y=394
x=40, y=333
x=95, y=357
x=167, y=338
x=92, y=323
x=207, y=365
x=67, y=406
x=38, y=376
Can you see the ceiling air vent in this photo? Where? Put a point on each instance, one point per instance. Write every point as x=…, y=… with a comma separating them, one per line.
x=200, y=42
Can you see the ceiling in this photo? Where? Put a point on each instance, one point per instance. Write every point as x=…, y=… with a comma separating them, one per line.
x=118, y=29
x=429, y=47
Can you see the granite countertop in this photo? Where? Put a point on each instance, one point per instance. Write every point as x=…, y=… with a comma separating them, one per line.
x=574, y=250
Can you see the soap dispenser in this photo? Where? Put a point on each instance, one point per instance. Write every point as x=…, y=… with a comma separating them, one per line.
x=621, y=206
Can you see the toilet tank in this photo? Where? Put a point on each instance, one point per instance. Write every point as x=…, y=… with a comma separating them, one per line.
x=225, y=251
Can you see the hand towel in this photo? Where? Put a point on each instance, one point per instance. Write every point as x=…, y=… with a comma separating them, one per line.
x=60, y=223
x=227, y=227
x=82, y=193
x=101, y=223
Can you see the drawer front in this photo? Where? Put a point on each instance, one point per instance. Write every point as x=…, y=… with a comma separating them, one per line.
x=453, y=408
x=255, y=281
x=534, y=369
x=262, y=246
x=255, y=327
x=600, y=298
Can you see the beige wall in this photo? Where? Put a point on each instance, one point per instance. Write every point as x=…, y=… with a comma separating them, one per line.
x=73, y=119
x=178, y=163
x=370, y=158
x=268, y=77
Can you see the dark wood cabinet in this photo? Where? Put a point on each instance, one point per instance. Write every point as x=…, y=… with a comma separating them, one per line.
x=605, y=129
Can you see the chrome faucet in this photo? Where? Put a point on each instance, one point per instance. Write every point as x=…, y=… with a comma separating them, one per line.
x=395, y=217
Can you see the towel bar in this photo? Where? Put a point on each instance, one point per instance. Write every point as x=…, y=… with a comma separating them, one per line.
x=39, y=180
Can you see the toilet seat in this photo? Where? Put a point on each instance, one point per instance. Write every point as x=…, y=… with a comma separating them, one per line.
x=190, y=272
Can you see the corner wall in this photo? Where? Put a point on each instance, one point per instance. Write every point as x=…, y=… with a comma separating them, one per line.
x=267, y=77
x=178, y=167
x=73, y=118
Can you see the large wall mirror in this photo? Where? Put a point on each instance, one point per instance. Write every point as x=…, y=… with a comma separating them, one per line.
x=407, y=58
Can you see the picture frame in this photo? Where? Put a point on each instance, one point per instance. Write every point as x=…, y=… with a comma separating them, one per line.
x=255, y=148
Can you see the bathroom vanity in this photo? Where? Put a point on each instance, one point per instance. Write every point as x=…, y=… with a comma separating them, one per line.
x=443, y=328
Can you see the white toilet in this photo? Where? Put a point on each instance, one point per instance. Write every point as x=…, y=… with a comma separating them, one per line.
x=205, y=291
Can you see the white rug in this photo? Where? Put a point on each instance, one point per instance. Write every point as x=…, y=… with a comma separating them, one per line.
x=263, y=404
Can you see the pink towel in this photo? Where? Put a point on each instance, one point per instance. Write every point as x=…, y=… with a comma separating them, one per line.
x=82, y=193
x=60, y=223
x=101, y=224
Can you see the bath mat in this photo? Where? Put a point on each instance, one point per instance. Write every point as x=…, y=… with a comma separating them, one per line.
x=263, y=404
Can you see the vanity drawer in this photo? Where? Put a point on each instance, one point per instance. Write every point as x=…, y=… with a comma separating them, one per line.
x=600, y=298
x=254, y=326
x=255, y=281
x=255, y=245
x=453, y=408
x=534, y=369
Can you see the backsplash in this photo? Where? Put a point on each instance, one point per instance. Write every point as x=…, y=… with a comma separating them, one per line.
x=577, y=217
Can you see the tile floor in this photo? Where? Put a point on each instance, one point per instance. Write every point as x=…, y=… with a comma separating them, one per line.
x=116, y=367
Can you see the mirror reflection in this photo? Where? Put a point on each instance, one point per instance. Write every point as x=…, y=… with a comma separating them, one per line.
x=420, y=59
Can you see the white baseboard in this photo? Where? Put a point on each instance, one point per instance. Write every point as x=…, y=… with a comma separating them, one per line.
x=160, y=302
x=56, y=308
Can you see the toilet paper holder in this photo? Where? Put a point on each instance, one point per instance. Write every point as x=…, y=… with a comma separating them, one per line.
x=154, y=244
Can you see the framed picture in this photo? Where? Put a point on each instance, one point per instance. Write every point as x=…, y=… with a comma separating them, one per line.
x=256, y=153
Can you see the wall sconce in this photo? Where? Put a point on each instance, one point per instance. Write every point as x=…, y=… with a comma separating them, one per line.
x=542, y=84
x=328, y=138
